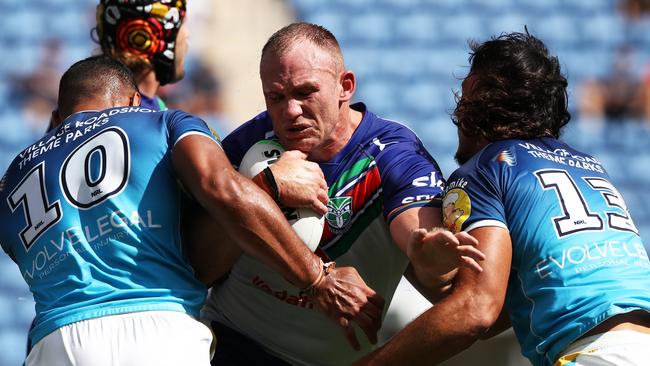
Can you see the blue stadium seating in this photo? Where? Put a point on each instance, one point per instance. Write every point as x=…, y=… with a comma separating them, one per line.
x=17, y=312
x=408, y=56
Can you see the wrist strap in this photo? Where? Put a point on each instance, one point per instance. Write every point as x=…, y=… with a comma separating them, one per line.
x=273, y=185
x=326, y=268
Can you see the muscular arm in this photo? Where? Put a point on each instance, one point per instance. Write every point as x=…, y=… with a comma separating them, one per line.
x=251, y=219
x=245, y=213
x=301, y=184
x=210, y=252
x=460, y=319
x=434, y=255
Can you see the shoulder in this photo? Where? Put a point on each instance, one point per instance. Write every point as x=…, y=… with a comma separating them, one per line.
x=244, y=136
x=487, y=164
x=394, y=146
x=498, y=153
x=387, y=129
x=175, y=118
x=381, y=137
x=258, y=128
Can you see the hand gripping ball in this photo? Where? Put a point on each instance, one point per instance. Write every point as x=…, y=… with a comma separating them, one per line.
x=307, y=223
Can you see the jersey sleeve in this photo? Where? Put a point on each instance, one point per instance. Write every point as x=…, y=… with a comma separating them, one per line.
x=410, y=178
x=473, y=198
x=237, y=143
x=181, y=125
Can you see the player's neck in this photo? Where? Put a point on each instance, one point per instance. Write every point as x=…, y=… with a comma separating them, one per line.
x=148, y=83
x=349, y=120
x=99, y=103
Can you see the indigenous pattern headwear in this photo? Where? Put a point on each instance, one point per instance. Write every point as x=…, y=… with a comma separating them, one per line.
x=144, y=28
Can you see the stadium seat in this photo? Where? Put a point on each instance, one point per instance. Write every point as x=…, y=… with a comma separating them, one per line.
x=364, y=61
x=371, y=27
x=69, y=25
x=558, y=29
x=538, y=7
x=462, y=27
x=603, y=30
x=417, y=29
x=512, y=21
x=379, y=95
x=13, y=342
x=25, y=25
x=333, y=22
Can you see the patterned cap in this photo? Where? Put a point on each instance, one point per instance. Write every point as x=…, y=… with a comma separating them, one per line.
x=145, y=28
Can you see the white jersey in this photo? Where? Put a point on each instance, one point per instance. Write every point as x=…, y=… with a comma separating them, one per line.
x=383, y=171
x=259, y=303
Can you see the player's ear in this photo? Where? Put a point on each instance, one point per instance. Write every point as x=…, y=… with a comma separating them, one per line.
x=348, y=85
x=135, y=100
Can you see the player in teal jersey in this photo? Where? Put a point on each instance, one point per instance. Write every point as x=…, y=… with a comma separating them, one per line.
x=90, y=214
x=142, y=34
x=562, y=250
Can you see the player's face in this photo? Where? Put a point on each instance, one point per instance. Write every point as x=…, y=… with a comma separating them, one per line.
x=182, y=45
x=467, y=145
x=302, y=89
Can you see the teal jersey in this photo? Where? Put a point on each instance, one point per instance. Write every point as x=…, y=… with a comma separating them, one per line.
x=577, y=256
x=90, y=214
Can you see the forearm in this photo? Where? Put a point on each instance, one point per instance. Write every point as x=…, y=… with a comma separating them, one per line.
x=461, y=318
x=438, y=334
x=434, y=288
x=209, y=250
x=251, y=218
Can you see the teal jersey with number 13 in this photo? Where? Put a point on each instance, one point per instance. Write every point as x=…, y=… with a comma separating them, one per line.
x=577, y=257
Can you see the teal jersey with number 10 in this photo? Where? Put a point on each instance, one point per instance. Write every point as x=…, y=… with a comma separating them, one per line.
x=90, y=213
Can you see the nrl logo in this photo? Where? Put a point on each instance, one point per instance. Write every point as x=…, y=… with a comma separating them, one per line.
x=339, y=212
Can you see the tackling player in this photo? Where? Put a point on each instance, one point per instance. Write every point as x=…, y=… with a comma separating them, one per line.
x=151, y=38
x=561, y=247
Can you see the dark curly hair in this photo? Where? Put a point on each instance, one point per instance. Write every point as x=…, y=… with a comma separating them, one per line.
x=517, y=90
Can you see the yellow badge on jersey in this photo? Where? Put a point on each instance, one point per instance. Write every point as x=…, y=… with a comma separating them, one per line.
x=215, y=134
x=456, y=208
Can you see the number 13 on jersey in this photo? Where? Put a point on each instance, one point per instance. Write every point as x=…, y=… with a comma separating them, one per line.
x=577, y=215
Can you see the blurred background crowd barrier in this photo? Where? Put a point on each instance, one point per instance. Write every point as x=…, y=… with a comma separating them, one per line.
x=409, y=56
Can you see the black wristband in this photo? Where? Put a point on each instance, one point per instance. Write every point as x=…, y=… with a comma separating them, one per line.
x=270, y=179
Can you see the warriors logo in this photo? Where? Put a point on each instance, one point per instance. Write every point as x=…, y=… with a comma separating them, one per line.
x=339, y=212
x=456, y=208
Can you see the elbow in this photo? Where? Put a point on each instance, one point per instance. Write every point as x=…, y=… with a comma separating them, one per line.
x=483, y=313
x=228, y=195
x=221, y=190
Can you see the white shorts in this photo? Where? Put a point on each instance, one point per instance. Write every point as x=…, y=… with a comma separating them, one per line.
x=618, y=347
x=156, y=338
